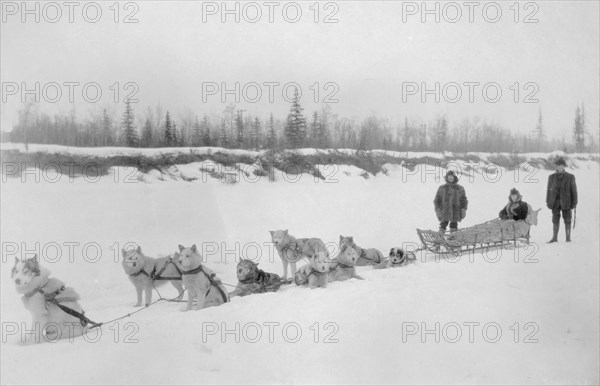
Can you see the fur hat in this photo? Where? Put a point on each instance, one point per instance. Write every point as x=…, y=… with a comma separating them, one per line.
x=451, y=173
x=514, y=191
x=560, y=161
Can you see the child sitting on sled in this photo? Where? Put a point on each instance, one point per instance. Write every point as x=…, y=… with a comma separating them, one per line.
x=516, y=209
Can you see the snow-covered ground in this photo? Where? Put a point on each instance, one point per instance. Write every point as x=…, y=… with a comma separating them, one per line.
x=525, y=316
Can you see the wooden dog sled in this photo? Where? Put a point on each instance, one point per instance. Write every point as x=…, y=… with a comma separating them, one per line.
x=495, y=233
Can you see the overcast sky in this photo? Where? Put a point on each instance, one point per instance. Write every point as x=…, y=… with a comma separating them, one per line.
x=369, y=56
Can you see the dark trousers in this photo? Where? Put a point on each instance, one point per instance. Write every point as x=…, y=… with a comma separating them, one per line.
x=566, y=214
x=444, y=224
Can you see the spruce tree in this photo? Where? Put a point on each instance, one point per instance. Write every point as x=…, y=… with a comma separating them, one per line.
x=255, y=134
x=295, y=128
x=271, y=134
x=196, y=133
x=147, y=134
x=223, y=139
x=239, y=126
x=579, y=130
x=130, y=131
x=169, y=136
x=107, y=135
x=315, y=130
x=205, y=129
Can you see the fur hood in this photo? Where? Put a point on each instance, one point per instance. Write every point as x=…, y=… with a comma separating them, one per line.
x=451, y=173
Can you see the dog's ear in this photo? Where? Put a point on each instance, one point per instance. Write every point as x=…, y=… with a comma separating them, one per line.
x=391, y=251
x=194, y=249
x=341, y=238
x=285, y=232
x=271, y=232
x=123, y=252
x=16, y=260
x=181, y=247
x=139, y=249
x=33, y=264
x=351, y=239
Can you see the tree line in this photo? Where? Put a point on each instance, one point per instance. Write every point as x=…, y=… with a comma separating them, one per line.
x=322, y=129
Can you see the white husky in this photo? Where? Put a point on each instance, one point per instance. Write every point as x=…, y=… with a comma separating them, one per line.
x=145, y=272
x=201, y=283
x=42, y=296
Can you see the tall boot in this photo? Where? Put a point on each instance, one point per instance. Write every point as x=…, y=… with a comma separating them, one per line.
x=554, y=233
x=568, y=231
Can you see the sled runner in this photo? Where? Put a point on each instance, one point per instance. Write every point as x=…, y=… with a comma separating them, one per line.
x=490, y=234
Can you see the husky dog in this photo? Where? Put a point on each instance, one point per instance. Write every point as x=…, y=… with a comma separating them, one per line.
x=397, y=258
x=301, y=276
x=343, y=267
x=252, y=280
x=42, y=296
x=291, y=249
x=320, y=264
x=201, y=283
x=146, y=272
x=370, y=256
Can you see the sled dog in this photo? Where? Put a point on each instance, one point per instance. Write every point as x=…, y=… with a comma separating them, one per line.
x=366, y=256
x=146, y=272
x=43, y=297
x=343, y=266
x=201, y=282
x=291, y=249
x=397, y=258
x=251, y=280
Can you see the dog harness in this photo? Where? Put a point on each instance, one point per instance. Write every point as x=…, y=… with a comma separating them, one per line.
x=210, y=279
x=51, y=298
x=316, y=273
x=157, y=276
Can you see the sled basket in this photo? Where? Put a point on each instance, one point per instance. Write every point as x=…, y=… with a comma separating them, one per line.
x=490, y=234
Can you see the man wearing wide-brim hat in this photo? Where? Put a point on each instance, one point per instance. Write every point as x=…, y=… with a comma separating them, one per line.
x=561, y=198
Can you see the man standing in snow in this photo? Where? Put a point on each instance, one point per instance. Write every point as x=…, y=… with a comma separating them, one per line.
x=561, y=196
x=450, y=203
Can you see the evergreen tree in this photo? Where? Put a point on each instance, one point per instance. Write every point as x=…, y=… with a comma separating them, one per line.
x=271, y=134
x=255, y=134
x=147, y=134
x=579, y=130
x=295, y=128
x=169, y=134
x=206, y=141
x=176, y=135
x=441, y=134
x=223, y=139
x=130, y=131
x=539, y=132
x=196, y=133
x=107, y=135
x=315, y=130
x=239, y=130
x=323, y=139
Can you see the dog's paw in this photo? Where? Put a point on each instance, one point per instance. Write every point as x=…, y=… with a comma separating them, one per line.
x=137, y=305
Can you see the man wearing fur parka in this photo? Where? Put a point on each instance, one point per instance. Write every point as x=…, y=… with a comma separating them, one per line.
x=450, y=203
x=516, y=209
